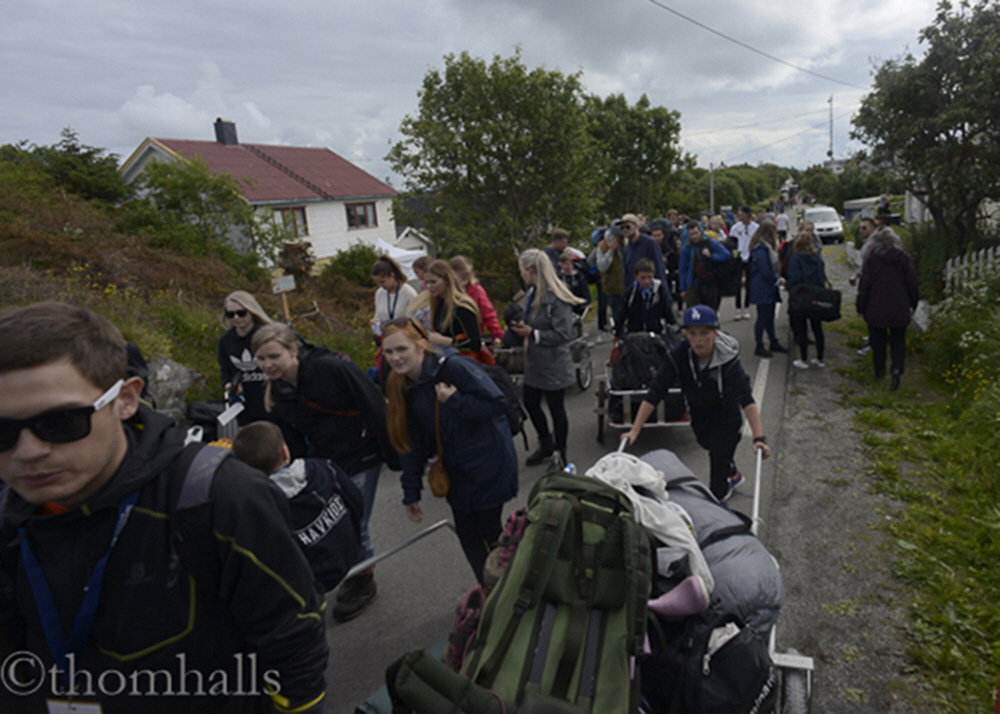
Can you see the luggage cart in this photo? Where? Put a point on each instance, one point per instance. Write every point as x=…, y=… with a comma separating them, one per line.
x=794, y=670
x=512, y=358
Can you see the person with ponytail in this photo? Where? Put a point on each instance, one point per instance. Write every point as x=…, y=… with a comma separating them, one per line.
x=547, y=330
x=437, y=400
x=328, y=408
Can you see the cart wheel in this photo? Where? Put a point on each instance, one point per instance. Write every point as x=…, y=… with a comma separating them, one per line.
x=602, y=414
x=585, y=375
x=795, y=693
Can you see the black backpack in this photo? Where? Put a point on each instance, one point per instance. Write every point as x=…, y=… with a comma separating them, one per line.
x=639, y=358
x=515, y=412
x=691, y=672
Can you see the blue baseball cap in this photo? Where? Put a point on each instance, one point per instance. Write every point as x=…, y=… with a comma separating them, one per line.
x=701, y=315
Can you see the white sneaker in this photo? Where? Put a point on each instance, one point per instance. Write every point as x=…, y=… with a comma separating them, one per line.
x=746, y=314
x=799, y=364
x=602, y=337
x=817, y=362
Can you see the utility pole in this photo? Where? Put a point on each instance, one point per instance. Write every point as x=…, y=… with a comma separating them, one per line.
x=711, y=189
x=830, y=152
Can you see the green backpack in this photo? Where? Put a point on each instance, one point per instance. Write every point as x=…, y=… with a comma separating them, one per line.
x=561, y=632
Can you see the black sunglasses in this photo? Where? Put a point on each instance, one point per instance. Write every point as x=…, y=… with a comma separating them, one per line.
x=58, y=426
x=235, y=313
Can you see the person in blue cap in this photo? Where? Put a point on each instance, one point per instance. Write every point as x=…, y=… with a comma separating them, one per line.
x=716, y=388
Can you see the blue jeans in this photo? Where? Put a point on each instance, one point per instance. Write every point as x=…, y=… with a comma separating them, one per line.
x=765, y=321
x=615, y=304
x=367, y=482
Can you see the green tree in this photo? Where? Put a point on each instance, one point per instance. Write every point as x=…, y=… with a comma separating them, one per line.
x=640, y=147
x=184, y=206
x=85, y=171
x=936, y=121
x=497, y=153
x=820, y=182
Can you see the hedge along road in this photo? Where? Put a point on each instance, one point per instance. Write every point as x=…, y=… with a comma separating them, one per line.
x=419, y=587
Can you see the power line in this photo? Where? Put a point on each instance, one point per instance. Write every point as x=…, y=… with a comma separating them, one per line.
x=792, y=136
x=759, y=123
x=752, y=49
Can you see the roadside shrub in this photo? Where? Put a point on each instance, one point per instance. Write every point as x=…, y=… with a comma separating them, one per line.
x=354, y=264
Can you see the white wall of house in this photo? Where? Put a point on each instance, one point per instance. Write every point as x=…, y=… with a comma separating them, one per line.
x=328, y=230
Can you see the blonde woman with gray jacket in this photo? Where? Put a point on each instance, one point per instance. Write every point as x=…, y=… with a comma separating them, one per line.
x=547, y=330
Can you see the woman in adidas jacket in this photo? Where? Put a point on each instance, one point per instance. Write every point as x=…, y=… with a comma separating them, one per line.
x=476, y=444
x=716, y=388
x=242, y=314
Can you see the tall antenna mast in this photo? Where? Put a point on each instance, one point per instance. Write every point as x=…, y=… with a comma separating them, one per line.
x=830, y=152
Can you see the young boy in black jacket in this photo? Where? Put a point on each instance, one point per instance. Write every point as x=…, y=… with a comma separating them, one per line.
x=646, y=304
x=325, y=506
x=716, y=388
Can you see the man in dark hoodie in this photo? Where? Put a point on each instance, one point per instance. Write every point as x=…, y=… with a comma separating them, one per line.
x=716, y=388
x=102, y=602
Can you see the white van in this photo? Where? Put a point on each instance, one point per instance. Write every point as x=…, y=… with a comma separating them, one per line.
x=827, y=222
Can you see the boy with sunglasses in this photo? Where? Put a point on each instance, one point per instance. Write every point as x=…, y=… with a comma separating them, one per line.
x=99, y=608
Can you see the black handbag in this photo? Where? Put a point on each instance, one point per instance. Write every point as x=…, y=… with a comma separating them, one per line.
x=814, y=302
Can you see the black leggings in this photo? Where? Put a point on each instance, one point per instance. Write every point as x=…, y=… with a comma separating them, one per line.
x=799, y=322
x=557, y=406
x=478, y=533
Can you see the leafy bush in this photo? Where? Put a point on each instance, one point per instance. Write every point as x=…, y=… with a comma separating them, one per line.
x=354, y=264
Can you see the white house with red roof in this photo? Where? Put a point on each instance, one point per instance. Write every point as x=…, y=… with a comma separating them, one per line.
x=319, y=196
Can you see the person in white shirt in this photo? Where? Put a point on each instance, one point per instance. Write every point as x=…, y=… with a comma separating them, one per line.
x=743, y=230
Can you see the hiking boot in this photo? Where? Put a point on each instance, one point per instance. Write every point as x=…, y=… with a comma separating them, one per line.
x=354, y=595
x=545, y=449
x=894, y=385
x=778, y=347
x=761, y=351
x=800, y=364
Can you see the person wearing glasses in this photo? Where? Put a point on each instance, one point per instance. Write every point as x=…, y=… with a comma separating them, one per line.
x=93, y=575
x=241, y=376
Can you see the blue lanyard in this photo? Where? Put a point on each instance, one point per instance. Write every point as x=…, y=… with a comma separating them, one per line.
x=52, y=626
x=392, y=310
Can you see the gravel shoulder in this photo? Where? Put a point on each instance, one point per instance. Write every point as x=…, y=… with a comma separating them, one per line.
x=842, y=606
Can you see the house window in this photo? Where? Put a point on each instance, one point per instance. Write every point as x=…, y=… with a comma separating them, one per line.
x=293, y=220
x=361, y=215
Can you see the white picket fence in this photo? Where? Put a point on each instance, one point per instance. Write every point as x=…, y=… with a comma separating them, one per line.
x=958, y=271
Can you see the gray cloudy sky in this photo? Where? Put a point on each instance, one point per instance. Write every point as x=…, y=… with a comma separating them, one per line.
x=342, y=75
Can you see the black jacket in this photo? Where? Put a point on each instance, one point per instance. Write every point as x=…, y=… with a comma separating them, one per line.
x=236, y=363
x=715, y=394
x=251, y=593
x=333, y=412
x=635, y=315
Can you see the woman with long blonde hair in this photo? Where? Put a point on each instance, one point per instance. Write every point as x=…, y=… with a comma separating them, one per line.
x=328, y=408
x=242, y=315
x=454, y=317
x=547, y=330
x=433, y=395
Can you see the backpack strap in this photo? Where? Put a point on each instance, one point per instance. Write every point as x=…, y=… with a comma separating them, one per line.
x=745, y=527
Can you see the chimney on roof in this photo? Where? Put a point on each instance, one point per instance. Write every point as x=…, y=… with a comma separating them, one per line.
x=225, y=132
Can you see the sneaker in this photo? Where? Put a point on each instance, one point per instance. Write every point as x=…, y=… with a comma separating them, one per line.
x=761, y=351
x=799, y=364
x=894, y=385
x=865, y=350
x=746, y=314
x=735, y=481
x=354, y=595
x=817, y=363
x=602, y=336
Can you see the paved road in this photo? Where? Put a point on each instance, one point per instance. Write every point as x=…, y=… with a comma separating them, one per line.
x=418, y=588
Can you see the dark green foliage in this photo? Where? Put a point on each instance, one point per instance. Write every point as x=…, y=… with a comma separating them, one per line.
x=640, y=145
x=353, y=264
x=936, y=121
x=76, y=168
x=498, y=153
